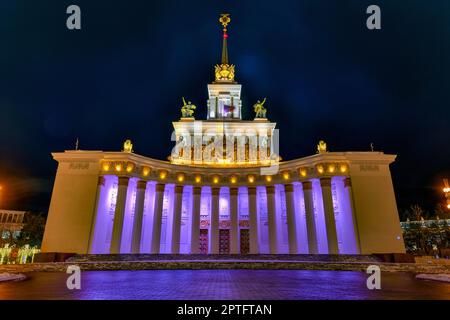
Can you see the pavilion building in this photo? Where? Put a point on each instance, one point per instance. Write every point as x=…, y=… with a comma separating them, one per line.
x=224, y=190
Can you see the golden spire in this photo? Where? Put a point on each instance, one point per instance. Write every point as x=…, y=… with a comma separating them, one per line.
x=224, y=20
x=224, y=71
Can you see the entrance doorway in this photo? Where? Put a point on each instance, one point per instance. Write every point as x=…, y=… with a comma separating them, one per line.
x=245, y=241
x=203, y=241
x=224, y=241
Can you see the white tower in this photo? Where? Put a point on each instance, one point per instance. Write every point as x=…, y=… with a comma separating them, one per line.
x=224, y=139
x=224, y=93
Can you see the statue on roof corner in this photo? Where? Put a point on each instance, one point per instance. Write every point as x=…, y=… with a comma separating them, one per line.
x=322, y=147
x=259, y=109
x=187, y=110
x=128, y=146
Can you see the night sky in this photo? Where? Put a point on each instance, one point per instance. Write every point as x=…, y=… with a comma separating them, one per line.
x=325, y=76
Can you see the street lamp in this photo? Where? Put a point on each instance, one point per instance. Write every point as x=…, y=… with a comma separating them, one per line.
x=447, y=192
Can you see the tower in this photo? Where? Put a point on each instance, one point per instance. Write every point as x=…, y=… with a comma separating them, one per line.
x=224, y=138
x=224, y=93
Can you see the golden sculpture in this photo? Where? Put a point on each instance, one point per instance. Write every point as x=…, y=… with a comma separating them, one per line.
x=224, y=72
x=225, y=20
x=322, y=147
x=127, y=146
x=187, y=110
x=259, y=109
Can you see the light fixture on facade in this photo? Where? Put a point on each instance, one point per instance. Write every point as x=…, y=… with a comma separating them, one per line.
x=303, y=172
x=130, y=167
x=106, y=166
x=216, y=179
x=268, y=178
x=331, y=168
x=286, y=175
x=343, y=167
x=146, y=171
x=162, y=175
x=233, y=179
x=118, y=167
x=180, y=177
x=198, y=178
x=320, y=168
x=251, y=178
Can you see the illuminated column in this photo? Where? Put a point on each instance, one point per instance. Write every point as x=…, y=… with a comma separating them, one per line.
x=229, y=151
x=330, y=221
x=348, y=189
x=252, y=146
x=240, y=147
x=273, y=237
x=157, y=218
x=187, y=144
x=291, y=218
x=262, y=143
x=215, y=221
x=195, y=221
x=234, y=243
x=176, y=225
x=138, y=214
x=197, y=143
x=100, y=185
x=118, y=215
x=254, y=230
x=310, y=220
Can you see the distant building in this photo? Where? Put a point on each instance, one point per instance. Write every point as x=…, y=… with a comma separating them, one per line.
x=11, y=221
x=437, y=223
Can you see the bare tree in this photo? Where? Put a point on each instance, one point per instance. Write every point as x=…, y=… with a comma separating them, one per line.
x=416, y=212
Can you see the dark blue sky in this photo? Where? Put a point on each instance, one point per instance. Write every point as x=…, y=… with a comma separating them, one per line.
x=325, y=76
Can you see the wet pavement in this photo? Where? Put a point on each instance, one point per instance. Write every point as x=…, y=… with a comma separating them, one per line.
x=223, y=284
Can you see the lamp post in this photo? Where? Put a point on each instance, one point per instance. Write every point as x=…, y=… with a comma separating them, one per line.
x=447, y=192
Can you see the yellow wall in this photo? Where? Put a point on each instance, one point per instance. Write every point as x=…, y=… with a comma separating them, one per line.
x=71, y=208
x=376, y=209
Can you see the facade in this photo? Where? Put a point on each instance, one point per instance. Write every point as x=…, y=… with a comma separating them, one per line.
x=223, y=190
x=11, y=222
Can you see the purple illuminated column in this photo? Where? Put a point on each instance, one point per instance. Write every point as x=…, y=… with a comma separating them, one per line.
x=195, y=221
x=138, y=214
x=273, y=237
x=215, y=221
x=157, y=218
x=100, y=185
x=118, y=215
x=234, y=243
x=310, y=219
x=330, y=221
x=254, y=229
x=176, y=223
x=291, y=218
x=348, y=188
